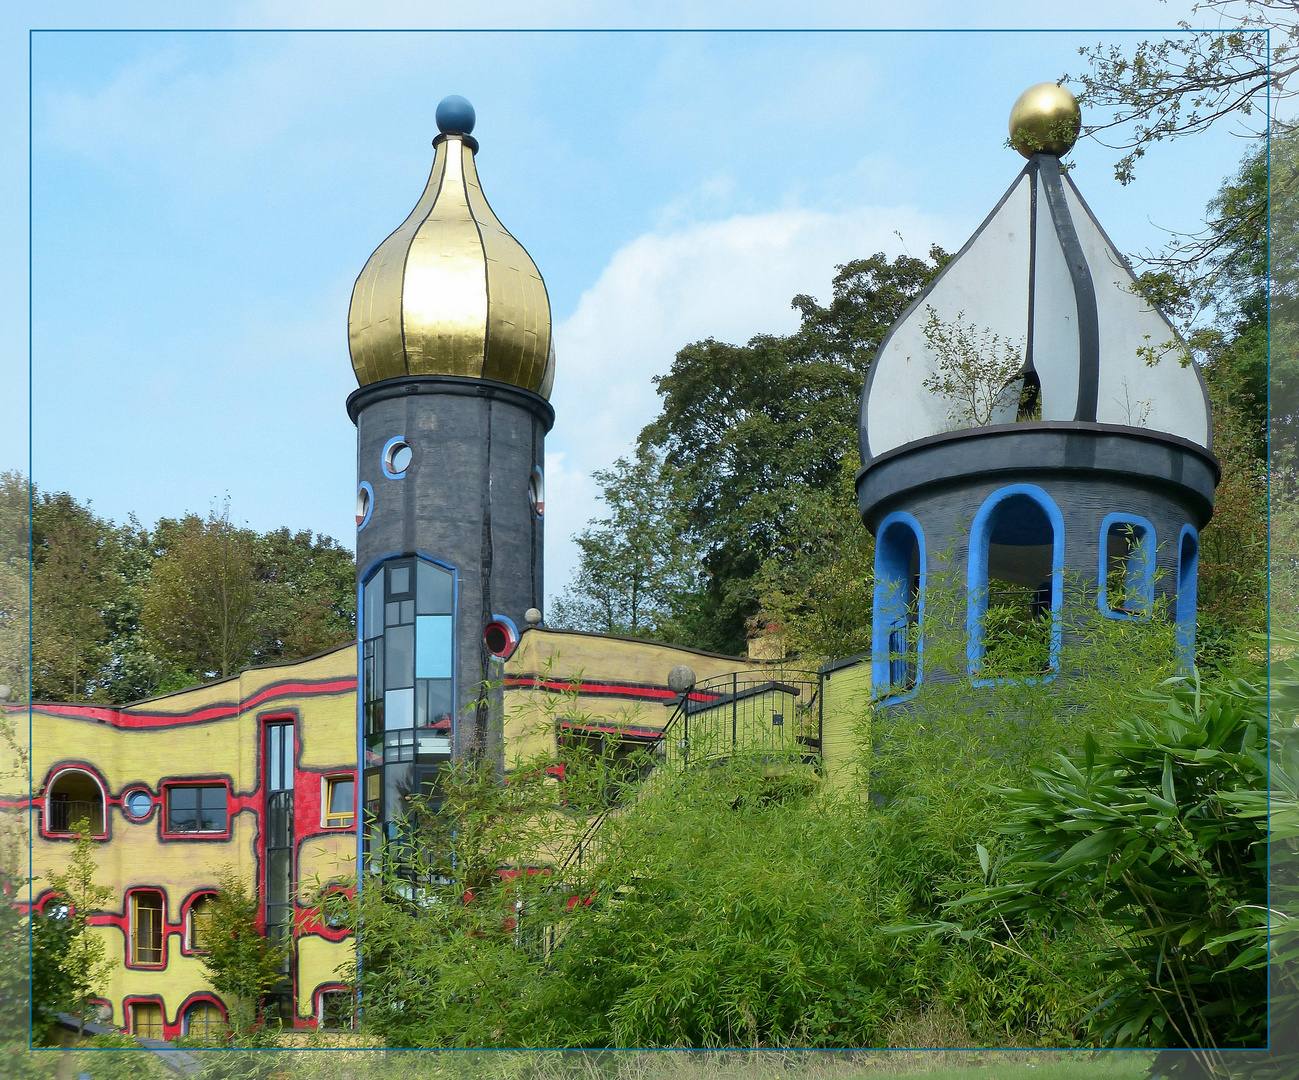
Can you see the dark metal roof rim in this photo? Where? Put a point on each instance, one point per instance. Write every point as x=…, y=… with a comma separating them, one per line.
x=1065, y=426
x=454, y=385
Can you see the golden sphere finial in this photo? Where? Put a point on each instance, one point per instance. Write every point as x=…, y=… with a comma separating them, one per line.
x=1045, y=119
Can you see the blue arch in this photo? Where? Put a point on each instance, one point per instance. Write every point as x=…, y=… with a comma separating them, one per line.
x=1188, y=570
x=1142, y=576
x=890, y=603
x=976, y=605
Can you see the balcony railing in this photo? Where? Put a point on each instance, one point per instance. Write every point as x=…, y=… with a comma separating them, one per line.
x=64, y=813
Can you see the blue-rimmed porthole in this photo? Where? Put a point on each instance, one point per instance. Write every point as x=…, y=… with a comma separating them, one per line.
x=364, y=504
x=537, y=493
x=396, y=457
x=137, y=804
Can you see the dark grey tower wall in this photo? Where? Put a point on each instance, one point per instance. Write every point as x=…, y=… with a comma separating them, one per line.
x=463, y=502
x=1089, y=470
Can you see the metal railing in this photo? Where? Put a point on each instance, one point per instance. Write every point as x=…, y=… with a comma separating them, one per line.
x=774, y=715
x=64, y=813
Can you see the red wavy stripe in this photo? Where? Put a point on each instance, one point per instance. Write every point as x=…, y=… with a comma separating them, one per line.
x=118, y=718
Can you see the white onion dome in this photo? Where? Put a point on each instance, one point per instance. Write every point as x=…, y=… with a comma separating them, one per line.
x=1038, y=317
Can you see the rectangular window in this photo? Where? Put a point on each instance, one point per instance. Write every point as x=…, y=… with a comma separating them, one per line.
x=339, y=802
x=399, y=663
x=373, y=612
x=199, y=809
x=399, y=709
x=280, y=879
x=434, y=589
x=146, y=1020
x=336, y=1011
x=146, y=927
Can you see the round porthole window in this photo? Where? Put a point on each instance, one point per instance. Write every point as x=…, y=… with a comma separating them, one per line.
x=138, y=804
x=499, y=637
x=537, y=493
x=396, y=457
x=364, y=504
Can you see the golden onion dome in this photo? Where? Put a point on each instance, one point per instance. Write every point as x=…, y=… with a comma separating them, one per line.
x=451, y=292
x=1045, y=118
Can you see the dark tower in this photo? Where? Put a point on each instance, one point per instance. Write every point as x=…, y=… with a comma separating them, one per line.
x=450, y=337
x=1032, y=415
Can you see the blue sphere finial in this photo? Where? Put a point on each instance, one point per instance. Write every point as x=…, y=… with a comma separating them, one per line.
x=455, y=116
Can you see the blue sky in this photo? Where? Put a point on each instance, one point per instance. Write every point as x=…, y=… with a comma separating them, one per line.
x=202, y=202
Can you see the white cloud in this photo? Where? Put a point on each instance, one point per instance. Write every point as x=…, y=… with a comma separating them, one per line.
x=728, y=280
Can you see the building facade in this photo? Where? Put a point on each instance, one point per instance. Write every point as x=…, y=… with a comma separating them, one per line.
x=1086, y=452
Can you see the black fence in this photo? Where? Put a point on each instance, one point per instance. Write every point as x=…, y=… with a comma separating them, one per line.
x=775, y=715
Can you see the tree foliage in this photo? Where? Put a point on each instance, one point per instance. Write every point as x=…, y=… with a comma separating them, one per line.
x=241, y=963
x=124, y=612
x=635, y=563
x=752, y=429
x=1183, y=84
x=78, y=953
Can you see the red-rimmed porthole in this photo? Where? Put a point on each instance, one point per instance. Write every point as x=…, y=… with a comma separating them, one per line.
x=499, y=637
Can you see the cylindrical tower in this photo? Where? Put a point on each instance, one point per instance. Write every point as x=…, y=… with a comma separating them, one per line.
x=450, y=338
x=1032, y=418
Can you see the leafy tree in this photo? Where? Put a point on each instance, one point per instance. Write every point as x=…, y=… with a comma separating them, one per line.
x=241, y=963
x=1181, y=85
x=83, y=962
x=203, y=604
x=310, y=585
x=976, y=369
x=750, y=428
x=71, y=588
x=817, y=584
x=635, y=564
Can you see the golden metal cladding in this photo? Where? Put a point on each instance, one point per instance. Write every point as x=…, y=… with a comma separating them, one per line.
x=451, y=292
x=1045, y=118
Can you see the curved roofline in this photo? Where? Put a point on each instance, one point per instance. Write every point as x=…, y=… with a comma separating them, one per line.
x=197, y=686
x=1030, y=166
x=645, y=641
x=1123, y=261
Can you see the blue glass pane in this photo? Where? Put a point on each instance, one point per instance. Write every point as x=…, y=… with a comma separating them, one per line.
x=399, y=709
x=372, y=620
x=433, y=595
x=399, y=580
x=433, y=647
x=399, y=661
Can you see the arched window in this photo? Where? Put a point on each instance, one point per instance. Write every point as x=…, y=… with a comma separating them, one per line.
x=74, y=795
x=198, y=923
x=204, y=1020
x=1016, y=584
x=1127, y=567
x=1188, y=568
x=898, y=605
